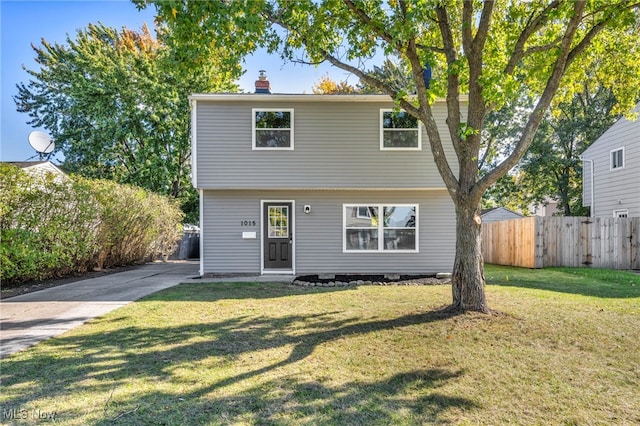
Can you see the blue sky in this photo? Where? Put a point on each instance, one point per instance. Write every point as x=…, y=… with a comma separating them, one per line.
x=25, y=22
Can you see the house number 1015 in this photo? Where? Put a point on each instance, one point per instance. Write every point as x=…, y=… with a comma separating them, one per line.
x=247, y=223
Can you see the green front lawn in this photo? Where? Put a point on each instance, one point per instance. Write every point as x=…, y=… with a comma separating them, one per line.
x=564, y=349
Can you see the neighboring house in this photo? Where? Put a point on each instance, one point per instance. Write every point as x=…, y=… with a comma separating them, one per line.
x=611, y=171
x=41, y=169
x=307, y=184
x=548, y=207
x=497, y=214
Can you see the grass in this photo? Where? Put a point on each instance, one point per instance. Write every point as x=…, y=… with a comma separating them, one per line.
x=564, y=350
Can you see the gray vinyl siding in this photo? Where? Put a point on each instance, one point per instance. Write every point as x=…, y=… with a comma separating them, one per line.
x=337, y=145
x=318, y=235
x=223, y=249
x=616, y=189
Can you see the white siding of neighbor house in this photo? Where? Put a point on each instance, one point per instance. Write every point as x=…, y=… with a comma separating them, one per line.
x=318, y=235
x=337, y=145
x=41, y=170
x=617, y=189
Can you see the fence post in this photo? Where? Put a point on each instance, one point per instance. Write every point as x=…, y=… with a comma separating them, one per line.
x=635, y=242
x=539, y=243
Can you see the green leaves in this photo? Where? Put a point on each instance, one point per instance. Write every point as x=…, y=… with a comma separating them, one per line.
x=52, y=228
x=464, y=131
x=116, y=102
x=552, y=167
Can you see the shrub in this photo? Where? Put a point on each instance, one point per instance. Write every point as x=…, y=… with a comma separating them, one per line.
x=47, y=226
x=135, y=224
x=51, y=228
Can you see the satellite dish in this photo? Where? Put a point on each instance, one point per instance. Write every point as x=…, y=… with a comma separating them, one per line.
x=41, y=142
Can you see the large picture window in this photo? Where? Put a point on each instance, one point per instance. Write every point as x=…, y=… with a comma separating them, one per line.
x=380, y=228
x=399, y=131
x=272, y=128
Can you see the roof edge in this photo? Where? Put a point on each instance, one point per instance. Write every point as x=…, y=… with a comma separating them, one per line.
x=324, y=188
x=299, y=97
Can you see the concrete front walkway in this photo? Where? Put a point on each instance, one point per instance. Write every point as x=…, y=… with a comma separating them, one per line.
x=30, y=318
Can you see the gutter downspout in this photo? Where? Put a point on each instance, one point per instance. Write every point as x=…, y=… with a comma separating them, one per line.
x=593, y=201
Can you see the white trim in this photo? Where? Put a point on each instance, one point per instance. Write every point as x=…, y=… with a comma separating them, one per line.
x=381, y=228
x=201, y=242
x=313, y=188
x=611, y=168
x=592, y=202
x=617, y=213
x=278, y=272
x=194, y=143
x=291, y=271
x=382, y=130
x=253, y=129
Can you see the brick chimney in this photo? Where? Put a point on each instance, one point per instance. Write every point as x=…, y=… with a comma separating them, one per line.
x=262, y=84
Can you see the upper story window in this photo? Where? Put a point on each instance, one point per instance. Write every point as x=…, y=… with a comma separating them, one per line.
x=380, y=228
x=399, y=131
x=617, y=158
x=272, y=128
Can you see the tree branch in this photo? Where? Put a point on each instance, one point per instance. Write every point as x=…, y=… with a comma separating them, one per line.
x=475, y=60
x=407, y=106
x=624, y=3
x=430, y=48
x=543, y=104
x=366, y=19
x=467, y=25
x=453, y=80
x=543, y=48
x=486, y=153
x=532, y=26
x=431, y=127
x=588, y=38
x=425, y=116
x=483, y=26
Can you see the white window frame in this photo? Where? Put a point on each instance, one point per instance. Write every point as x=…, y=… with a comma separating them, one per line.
x=382, y=130
x=253, y=129
x=621, y=213
x=611, y=167
x=381, y=227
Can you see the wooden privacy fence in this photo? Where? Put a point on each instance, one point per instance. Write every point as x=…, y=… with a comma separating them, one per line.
x=538, y=242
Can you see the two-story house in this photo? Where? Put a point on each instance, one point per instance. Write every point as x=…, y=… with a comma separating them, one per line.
x=611, y=171
x=308, y=184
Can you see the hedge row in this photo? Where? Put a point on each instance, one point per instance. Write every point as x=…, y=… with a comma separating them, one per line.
x=52, y=227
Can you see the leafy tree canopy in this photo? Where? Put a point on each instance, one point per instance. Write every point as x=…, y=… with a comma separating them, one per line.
x=494, y=53
x=392, y=72
x=326, y=86
x=116, y=103
x=552, y=168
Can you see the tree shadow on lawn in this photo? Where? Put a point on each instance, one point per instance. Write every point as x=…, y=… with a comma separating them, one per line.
x=102, y=362
x=601, y=283
x=408, y=398
x=215, y=291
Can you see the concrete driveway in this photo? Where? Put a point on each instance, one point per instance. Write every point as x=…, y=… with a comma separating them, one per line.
x=30, y=318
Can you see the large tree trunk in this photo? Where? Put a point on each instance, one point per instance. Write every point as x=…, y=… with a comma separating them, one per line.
x=467, y=282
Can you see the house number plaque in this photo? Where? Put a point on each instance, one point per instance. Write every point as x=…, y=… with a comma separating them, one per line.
x=247, y=223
